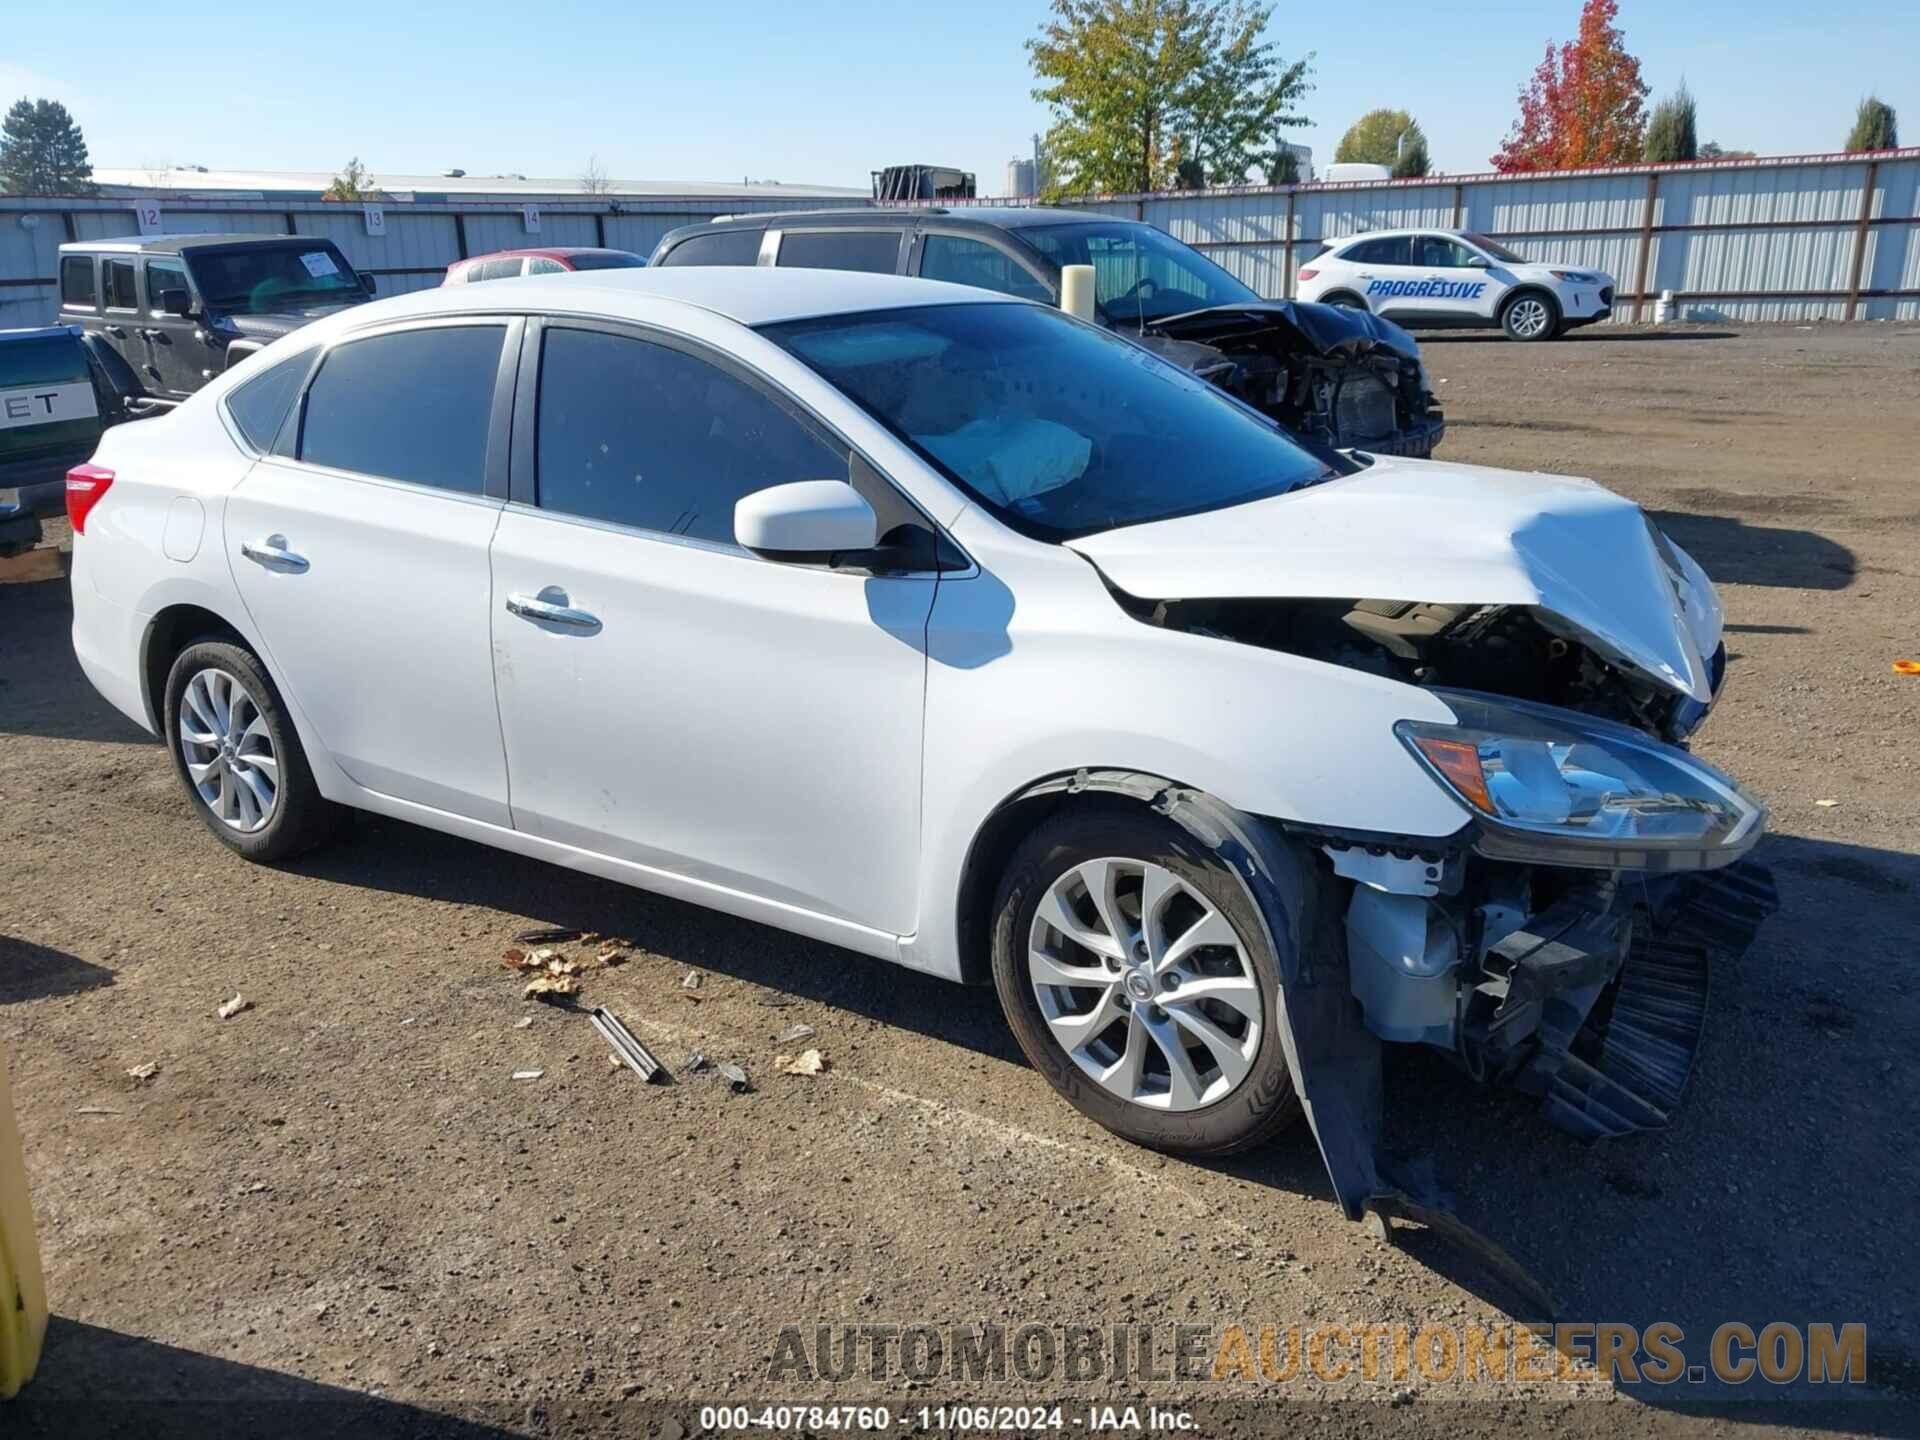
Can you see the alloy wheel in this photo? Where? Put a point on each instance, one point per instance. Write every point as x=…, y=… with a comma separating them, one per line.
x=228, y=751
x=1145, y=985
x=1529, y=318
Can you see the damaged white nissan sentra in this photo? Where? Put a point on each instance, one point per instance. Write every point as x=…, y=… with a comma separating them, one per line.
x=961, y=633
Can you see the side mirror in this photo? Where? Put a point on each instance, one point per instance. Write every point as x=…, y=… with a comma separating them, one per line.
x=176, y=302
x=366, y=282
x=1479, y=262
x=806, y=518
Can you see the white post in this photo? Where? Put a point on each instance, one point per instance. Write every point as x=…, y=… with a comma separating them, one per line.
x=1076, y=290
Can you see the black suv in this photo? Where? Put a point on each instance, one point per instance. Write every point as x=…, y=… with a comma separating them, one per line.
x=173, y=311
x=1340, y=377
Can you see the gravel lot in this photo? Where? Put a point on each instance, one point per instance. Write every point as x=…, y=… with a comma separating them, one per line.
x=340, y=1199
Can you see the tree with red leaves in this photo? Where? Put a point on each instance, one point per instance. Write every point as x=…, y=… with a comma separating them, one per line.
x=1583, y=105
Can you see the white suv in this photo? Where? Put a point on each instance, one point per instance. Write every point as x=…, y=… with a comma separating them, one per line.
x=1436, y=278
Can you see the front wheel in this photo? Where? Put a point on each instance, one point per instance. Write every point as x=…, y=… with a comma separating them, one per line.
x=1530, y=317
x=1139, y=980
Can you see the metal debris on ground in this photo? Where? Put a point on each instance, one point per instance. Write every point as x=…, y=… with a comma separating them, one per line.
x=528, y=1074
x=233, y=1007
x=95, y=1110
x=797, y=1032
x=1826, y=804
x=627, y=1050
x=143, y=1072
x=696, y=1062
x=546, y=935
x=736, y=1078
x=807, y=1062
x=524, y=1022
x=690, y=980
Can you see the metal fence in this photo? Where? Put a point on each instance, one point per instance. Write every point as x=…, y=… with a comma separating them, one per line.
x=1832, y=237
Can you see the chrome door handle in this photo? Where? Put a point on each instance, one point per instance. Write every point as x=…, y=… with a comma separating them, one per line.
x=532, y=607
x=273, y=553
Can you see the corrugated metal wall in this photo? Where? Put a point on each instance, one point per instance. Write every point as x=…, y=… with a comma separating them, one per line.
x=421, y=240
x=1794, y=238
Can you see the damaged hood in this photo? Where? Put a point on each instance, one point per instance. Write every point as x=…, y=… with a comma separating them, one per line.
x=1587, y=561
x=1330, y=330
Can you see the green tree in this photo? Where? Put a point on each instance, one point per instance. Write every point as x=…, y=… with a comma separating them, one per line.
x=1714, y=150
x=1873, y=126
x=1386, y=137
x=42, y=151
x=353, y=183
x=1673, y=132
x=1137, y=87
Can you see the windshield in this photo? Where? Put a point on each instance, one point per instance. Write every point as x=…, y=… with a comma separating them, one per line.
x=1060, y=429
x=1139, y=273
x=1493, y=248
x=274, y=277
x=604, y=260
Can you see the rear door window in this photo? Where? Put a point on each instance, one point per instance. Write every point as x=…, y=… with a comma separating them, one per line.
x=1394, y=250
x=722, y=247
x=876, y=252
x=639, y=434
x=414, y=405
x=117, y=281
x=76, y=282
x=961, y=260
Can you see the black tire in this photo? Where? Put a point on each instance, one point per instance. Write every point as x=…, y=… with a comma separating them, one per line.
x=1264, y=1102
x=302, y=817
x=1346, y=300
x=1512, y=312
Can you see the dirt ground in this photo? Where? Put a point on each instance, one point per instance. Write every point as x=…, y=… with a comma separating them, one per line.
x=338, y=1213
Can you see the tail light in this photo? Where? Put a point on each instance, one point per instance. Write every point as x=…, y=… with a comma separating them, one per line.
x=1308, y=274
x=85, y=485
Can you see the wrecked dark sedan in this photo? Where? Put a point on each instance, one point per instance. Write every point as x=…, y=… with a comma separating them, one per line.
x=1340, y=378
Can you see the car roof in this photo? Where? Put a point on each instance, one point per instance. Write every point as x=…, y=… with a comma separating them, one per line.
x=1404, y=230
x=748, y=295
x=1000, y=217
x=551, y=252
x=176, y=244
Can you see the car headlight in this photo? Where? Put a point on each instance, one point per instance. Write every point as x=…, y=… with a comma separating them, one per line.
x=1576, y=277
x=1556, y=787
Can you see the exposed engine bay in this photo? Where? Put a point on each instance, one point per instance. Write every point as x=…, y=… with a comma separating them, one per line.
x=1497, y=649
x=1343, y=378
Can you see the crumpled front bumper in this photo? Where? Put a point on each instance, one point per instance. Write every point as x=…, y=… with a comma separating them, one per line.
x=1416, y=442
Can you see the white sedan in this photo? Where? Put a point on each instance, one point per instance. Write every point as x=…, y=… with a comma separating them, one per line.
x=955, y=631
x=1440, y=279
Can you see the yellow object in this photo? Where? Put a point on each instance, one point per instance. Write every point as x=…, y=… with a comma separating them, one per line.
x=1906, y=667
x=23, y=1290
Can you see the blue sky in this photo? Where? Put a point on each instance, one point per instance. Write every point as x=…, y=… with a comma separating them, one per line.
x=800, y=91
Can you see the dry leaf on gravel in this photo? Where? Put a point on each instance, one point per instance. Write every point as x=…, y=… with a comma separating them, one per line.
x=798, y=1032
x=143, y=1072
x=807, y=1062
x=233, y=1007
x=543, y=985
x=736, y=1078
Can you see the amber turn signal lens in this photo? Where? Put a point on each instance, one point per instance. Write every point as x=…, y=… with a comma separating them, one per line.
x=1459, y=761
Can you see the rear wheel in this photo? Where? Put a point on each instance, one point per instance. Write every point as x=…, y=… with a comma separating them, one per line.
x=238, y=756
x=1139, y=980
x=1530, y=316
x=1346, y=300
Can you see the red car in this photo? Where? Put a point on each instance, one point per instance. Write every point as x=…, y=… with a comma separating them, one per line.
x=505, y=264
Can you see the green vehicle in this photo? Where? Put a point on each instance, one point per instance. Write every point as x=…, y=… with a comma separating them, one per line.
x=51, y=417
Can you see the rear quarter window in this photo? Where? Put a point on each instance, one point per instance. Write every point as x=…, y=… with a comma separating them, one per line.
x=259, y=407
x=722, y=247
x=76, y=282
